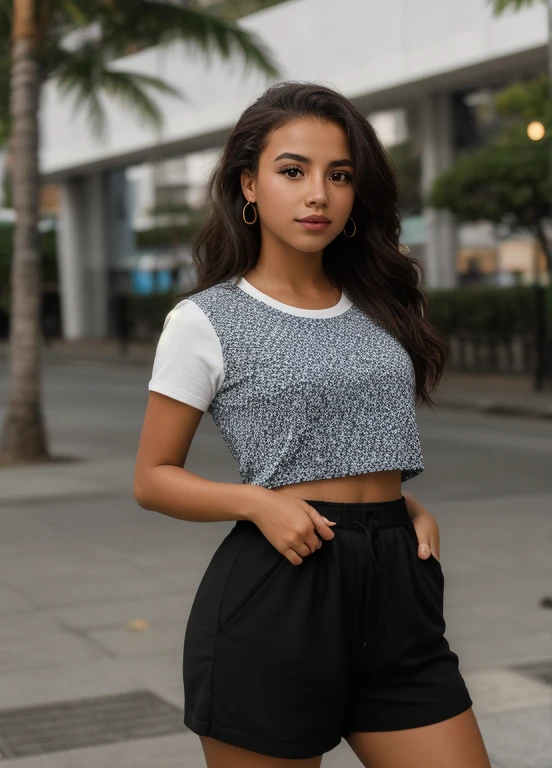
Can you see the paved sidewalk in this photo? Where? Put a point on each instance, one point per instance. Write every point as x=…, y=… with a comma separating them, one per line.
x=80, y=562
x=495, y=393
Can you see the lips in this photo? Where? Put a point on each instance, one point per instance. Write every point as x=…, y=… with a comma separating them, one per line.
x=315, y=220
x=313, y=226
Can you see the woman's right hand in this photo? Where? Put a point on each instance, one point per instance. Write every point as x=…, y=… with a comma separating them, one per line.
x=288, y=522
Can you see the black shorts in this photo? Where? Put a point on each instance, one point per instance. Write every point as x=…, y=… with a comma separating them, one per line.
x=286, y=659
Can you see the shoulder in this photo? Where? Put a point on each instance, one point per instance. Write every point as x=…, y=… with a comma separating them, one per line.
x=188, y=363
x=188, y=326
x=198, y=309
x=214, y=297
x=185, y=317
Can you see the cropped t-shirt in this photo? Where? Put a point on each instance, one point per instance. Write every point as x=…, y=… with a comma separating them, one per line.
x=297, y=394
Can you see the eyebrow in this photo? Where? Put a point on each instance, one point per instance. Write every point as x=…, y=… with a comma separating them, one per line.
x=303, y=159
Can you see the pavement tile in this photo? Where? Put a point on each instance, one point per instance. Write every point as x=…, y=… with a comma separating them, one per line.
x=504, y=650
x=11, y=600
x=99, y=676
x=47, y=649
x=161, y=752
x=501, y=690
x=114, y=613
x=159, y=638
x=519, y=739
x=27, y=624
x=122, y=581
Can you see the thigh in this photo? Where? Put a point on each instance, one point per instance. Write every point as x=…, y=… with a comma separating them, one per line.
x=454, y=743
x=221, y=755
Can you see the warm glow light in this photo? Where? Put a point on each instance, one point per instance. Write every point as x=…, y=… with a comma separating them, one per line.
x=535, y=131
x=137, y=625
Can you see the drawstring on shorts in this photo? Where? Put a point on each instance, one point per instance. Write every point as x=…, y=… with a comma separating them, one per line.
x=372, y=531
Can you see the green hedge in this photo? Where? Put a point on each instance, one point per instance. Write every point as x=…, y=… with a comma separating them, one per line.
x=489, y=310
x=153, y=309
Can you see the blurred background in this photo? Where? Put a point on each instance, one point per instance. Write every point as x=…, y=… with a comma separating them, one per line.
x=106, y=181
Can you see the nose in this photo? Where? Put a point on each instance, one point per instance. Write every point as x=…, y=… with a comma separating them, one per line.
x=317, y=193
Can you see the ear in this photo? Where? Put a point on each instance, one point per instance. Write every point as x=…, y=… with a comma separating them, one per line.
x=248, y=185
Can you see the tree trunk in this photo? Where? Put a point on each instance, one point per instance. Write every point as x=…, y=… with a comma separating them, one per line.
x=23, y=439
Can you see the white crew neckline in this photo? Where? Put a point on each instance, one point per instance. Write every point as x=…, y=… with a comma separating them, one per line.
x=342, y=305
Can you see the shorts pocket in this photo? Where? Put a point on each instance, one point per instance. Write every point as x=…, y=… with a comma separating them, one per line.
x=435, y=561
x=431, y=560
x=256, y=566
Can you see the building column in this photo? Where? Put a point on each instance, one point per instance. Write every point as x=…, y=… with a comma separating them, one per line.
x=70, y=257
x=437, y=152
x=120, y=232
x=97, y=256
x=94, y=236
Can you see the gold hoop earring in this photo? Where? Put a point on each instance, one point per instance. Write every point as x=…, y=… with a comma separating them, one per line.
x=354, y=231
x=243, y=213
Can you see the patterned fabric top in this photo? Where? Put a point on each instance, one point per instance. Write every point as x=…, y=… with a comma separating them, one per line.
x=297, y=394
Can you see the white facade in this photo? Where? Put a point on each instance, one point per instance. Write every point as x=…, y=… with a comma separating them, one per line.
x=382, y=54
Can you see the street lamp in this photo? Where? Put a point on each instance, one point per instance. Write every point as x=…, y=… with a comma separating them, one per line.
x=536, y=130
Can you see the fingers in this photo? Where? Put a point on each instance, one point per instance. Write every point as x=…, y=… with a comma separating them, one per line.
x=425, y=549
x=293, y=557
x=328, y=522
x=428, y=540
x=307, y=540
x=306, y=543
x=321, y=523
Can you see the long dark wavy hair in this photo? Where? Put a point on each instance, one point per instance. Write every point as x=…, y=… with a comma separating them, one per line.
x=370, y=267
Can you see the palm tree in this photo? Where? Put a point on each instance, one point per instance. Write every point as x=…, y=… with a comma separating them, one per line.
x=501, y=5
x=104, y=30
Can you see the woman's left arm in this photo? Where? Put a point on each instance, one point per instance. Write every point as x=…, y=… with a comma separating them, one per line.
x=426, y=527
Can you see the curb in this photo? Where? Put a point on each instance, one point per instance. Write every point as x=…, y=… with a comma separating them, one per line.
x=500, y=408
x=146, y=359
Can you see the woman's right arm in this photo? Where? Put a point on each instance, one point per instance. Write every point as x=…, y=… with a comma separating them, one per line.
x=162, y=484
x=187, y=372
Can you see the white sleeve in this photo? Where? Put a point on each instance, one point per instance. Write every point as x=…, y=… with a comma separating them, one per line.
x=188, y=364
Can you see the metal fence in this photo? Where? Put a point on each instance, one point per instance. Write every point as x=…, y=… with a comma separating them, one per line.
x=489, y=353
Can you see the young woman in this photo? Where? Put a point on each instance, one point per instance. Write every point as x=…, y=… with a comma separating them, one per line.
x=320, y=615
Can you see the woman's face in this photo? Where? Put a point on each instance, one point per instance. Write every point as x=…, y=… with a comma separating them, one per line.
x=317, y=181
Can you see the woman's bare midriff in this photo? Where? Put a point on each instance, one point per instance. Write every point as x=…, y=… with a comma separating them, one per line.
x=371, y=486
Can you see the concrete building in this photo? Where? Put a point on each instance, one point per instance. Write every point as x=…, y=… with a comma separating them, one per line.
x=421, y=58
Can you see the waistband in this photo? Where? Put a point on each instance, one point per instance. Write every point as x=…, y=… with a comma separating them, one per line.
x=387, y=514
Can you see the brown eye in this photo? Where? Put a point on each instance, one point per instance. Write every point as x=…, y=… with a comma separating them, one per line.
x=287, y=170
x=343, y=173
